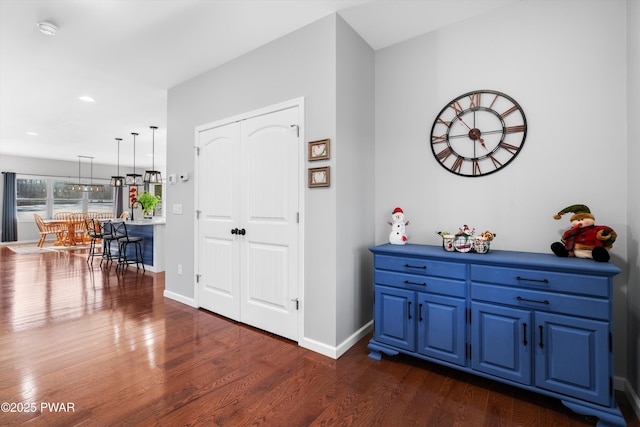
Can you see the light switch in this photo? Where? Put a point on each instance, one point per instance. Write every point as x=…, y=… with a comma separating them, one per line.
x=177, y=208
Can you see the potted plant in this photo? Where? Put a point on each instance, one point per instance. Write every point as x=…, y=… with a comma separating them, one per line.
x=148, y=203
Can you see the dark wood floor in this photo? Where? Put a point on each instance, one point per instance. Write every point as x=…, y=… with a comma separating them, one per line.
x=116, y=352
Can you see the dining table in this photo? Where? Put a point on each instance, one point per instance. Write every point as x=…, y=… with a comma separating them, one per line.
x=72, y=225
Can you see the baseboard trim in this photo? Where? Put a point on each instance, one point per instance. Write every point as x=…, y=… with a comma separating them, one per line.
x=340, y=349
x=180, y=298
x=634, y=400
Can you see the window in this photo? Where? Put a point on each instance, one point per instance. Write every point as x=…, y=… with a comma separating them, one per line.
x=46, y=196
x=66, y=200
x=31, y=198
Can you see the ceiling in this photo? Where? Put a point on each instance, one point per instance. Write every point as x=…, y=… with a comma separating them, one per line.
x=126, y=54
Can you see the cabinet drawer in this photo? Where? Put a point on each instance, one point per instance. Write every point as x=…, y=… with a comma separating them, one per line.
x=435, y=285
x=544, y=280
x=423, y=266
x=542, y=301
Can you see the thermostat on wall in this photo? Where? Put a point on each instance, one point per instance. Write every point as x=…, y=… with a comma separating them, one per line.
x=184, y=177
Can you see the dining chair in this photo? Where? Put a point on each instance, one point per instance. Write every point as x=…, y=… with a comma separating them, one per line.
x=79, y=227
x=45, y=229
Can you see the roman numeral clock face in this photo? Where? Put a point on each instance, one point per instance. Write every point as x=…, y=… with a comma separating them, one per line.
x=478, y=133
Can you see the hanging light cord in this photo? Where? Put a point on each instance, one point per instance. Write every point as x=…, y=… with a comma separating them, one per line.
x=153, y=148
x=134, y=152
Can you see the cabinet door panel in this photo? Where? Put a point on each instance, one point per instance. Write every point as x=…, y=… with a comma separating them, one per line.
x=574, y=356
x=501, y=341
x=442, y=327
x=394, y=314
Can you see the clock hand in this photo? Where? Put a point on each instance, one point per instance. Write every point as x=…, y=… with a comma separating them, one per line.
x=493, y=131
x=464, y=135
x=463, y=122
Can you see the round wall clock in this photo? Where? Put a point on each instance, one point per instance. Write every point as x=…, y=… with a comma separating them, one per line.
x=478, y=133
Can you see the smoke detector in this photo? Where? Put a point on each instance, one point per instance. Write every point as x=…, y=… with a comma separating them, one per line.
x=47, y=28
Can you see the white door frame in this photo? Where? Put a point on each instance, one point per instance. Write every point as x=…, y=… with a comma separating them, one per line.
x=302, y=178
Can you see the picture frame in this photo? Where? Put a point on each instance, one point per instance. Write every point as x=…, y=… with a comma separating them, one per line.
x=319, y=150
x=319, y=177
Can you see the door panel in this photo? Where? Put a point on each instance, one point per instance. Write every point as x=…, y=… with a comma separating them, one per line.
x=569, y=351
x=269, y=271
x=442, y=327
x=249, y=183
x=501, y=341
x=394, y=313
x=219, y=250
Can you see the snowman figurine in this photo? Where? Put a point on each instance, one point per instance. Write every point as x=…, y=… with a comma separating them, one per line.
x=398, y=235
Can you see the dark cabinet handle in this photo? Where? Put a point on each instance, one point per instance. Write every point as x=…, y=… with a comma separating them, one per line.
x=524, y=340
x=533, y=300
x=541, y=345
x=407, y=282
x=524, y=279
x=422, y=267
x=409, y=310
x=242, y=231
x=420, y=312
x=234, y=231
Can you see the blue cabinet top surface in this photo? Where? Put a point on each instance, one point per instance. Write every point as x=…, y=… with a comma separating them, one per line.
x=502, y=258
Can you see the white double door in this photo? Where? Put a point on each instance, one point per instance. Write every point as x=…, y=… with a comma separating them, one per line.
x=248, y=226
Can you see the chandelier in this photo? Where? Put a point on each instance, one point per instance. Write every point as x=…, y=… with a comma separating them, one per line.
x=118, y=181
x=84, y=187
x=134, y=179
x=153, y=176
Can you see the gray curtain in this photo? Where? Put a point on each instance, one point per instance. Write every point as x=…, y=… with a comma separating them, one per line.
x=118, y=201
x=9, y=208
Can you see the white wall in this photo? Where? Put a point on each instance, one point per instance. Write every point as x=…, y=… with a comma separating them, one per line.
x=633, y=196
x=565, y=63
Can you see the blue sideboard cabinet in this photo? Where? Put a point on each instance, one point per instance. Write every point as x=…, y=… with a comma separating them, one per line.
x=535, y=321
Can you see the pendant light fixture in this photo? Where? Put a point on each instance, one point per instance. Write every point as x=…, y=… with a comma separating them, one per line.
x=79, y=186
x=118, y=181
x=153, y=176
x=134, y=179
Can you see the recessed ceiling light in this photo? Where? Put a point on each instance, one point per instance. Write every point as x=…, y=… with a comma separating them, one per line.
x=32, y=133
x=86, y=99
x=47, y=28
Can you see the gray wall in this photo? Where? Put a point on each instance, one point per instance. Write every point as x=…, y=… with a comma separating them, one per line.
x=302, y=64
x=565, y=62
x=633, y=197
x=354, y=154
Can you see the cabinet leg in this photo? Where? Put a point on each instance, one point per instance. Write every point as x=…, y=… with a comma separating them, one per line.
x=606, y=418
x=376, y=350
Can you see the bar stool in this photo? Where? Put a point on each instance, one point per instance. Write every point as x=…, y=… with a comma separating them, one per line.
x=95, y=232
x=111, y=232
x=123, y=242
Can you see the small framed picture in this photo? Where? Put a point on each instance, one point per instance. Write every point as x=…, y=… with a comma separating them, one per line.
x=319, y=177
x=319, y=150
